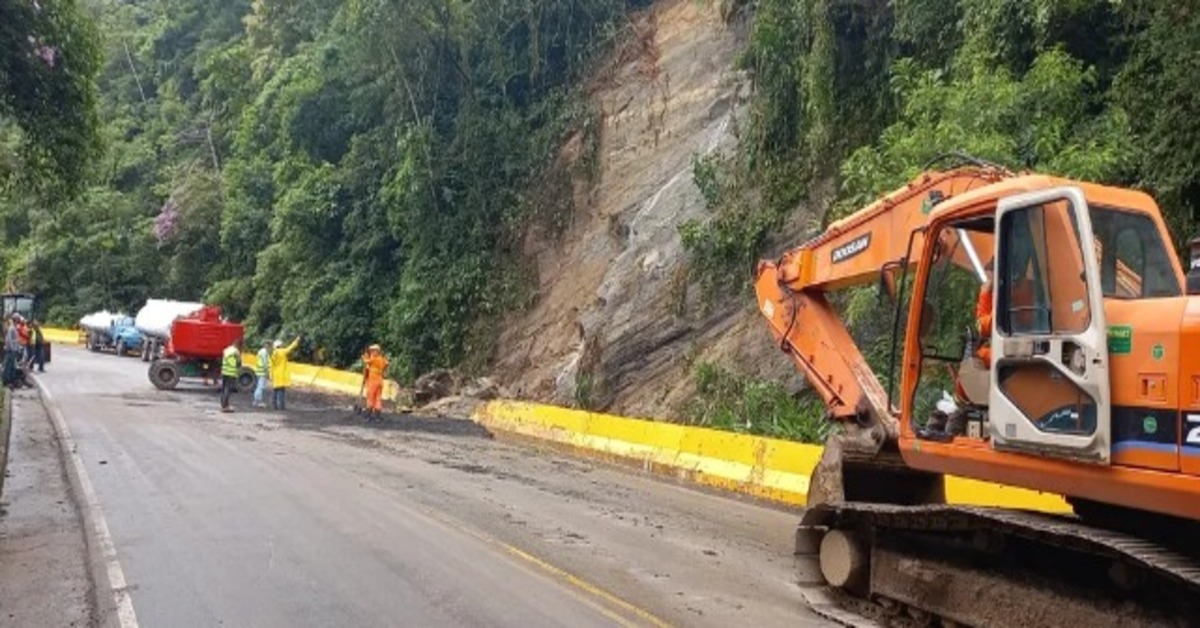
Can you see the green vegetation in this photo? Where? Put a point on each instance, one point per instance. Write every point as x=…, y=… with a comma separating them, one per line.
x=729, y=401
x=49, y=132
x=354, y=169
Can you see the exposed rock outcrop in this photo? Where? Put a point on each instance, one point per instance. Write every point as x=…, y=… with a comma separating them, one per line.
x=616, y=323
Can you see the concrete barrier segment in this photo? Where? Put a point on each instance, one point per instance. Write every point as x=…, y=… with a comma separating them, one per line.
x=61, y=336
x=767, y=468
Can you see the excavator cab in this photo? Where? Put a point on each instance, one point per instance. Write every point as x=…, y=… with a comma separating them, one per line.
x=1046, y=390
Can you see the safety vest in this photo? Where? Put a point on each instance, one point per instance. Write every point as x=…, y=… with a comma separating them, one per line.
x=264, y=362
x=229, y=362
x=376, y=367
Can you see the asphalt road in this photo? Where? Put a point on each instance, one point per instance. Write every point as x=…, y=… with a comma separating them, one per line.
x=310, y=519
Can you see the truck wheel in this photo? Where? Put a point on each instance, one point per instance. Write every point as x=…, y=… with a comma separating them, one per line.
x=164, y=375
x=92, y=345
x=246, y=379
x=120, y=348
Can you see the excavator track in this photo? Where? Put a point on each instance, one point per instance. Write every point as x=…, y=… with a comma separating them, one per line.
x=963, y=566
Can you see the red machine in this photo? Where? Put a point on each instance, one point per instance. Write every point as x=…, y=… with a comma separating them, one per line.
x=195, y=348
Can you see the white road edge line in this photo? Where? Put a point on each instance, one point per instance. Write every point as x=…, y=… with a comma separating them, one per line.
x=108, y=550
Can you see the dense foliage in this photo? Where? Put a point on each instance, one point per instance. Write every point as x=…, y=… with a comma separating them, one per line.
x=48, y=126
x=349, y=169
x=866, y=93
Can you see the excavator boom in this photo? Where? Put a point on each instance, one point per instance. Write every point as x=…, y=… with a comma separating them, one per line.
x=868, y=246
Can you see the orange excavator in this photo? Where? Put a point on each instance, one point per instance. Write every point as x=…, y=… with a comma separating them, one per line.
x=1085, y=383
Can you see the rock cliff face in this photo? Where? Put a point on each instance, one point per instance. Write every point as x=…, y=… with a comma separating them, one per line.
x=616, y=325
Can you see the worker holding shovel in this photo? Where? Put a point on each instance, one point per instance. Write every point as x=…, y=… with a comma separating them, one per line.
x=375, y=364
x=261, y=369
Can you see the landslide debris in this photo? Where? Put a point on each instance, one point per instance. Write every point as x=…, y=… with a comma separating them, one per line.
x=448, y=393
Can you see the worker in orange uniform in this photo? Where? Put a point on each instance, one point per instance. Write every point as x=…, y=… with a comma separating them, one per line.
x=375, y=364
x=983, y=316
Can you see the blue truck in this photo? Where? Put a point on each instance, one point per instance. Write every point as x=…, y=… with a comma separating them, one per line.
x=117, y=333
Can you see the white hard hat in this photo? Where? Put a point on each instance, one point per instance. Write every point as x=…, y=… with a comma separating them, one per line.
x=278, y=343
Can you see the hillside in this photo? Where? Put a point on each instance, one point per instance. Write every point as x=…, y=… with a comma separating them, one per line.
x=618, y=323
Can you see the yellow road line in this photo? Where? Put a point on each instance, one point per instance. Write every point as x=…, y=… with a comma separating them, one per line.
x=580, y=589
x=585, y=586
x=563, y=576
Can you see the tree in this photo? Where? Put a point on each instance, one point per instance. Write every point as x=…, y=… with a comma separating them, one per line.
x=49, y=59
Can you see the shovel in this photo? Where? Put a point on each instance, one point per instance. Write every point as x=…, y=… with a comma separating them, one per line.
x=358, y=401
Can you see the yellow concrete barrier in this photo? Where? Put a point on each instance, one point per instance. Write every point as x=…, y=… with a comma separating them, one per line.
x=775, y=470
x=763, y=467
x=328, y=379
x=56, y=335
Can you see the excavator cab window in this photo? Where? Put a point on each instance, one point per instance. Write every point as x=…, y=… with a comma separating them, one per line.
x=1052, y=402
x=1043, y=290
x=948, y=327
x=1134, y=263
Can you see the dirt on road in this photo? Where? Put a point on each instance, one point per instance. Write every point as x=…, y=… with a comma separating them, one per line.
x=710, y=559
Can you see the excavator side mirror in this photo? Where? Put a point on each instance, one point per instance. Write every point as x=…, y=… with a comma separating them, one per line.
x=887, y=280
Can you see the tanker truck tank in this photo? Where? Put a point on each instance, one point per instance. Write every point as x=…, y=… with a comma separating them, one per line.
x=155, y=319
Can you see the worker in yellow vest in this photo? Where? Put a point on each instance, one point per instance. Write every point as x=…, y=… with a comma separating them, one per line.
x=262, y=374
x=231, y=363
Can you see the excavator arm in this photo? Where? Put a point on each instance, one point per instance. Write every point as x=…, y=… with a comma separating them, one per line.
x=870, y=245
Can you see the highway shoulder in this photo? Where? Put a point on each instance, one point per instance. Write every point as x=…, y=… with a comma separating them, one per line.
x=44, y=576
